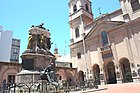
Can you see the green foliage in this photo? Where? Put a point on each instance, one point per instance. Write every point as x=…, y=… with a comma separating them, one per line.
x=128, y=77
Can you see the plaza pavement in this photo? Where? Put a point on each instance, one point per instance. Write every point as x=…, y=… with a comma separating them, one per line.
x=114, y=88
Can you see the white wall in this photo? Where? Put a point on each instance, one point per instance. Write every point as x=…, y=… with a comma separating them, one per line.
x=5, y=45
x=1, y=30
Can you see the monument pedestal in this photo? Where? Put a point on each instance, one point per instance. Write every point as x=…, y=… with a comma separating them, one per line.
x=37, y=62
x=32, y=65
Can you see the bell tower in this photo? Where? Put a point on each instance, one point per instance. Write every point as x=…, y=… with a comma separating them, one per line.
x=80, y=15
x=130, y=9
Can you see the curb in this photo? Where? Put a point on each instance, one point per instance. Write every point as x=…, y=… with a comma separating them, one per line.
x=91, y=90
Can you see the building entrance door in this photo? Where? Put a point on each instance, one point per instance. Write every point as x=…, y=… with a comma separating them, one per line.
x=110, y=73
x=81, y=78
x=126, y=71
x=96, y=73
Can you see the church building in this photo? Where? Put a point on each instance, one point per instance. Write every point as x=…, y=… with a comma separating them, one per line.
x=107, y=48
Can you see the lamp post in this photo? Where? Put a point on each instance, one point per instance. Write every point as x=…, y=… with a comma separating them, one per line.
x=65, y=65
x=14, y=85
x=84, y=47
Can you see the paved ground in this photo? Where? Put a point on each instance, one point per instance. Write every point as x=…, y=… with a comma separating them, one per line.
x=115, y=88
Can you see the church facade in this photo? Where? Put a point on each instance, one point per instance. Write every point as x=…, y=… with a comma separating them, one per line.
x=107, y=48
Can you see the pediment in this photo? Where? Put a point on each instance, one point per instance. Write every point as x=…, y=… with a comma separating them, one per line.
x=103, y=26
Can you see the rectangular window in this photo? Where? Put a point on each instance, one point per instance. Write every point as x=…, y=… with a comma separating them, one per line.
x=78, y=55
x=135, y=5
x=15, y=57
x=15, y=51
x=15, y=43
x=11, y=78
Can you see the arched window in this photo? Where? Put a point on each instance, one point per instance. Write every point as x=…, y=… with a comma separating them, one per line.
x=86, y=6
x=74, y=8
x=11, y=78
x=135, y=5
x=77, y=32
x=104, y=38
x=60, y=78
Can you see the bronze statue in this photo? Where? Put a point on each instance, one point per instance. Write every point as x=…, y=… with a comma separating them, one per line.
x=38, y=42
x=49, y=75
x=31, y=41
x=43, y=42
x=41, y=26
x=48, y=41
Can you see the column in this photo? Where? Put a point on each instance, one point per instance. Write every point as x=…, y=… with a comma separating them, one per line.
x=102, y=71
x=117, y=64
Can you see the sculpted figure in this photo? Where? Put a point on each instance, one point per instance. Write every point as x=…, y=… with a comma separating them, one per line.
x=41, y=26
x=38, y=41
x=51, y=77
x=43, y=42
x=48, y=43
x=31, y=41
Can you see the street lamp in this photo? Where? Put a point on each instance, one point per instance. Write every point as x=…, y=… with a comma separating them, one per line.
x=84, y=47
x=14, y=86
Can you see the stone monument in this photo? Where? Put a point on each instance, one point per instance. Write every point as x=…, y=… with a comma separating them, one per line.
x=36, y=58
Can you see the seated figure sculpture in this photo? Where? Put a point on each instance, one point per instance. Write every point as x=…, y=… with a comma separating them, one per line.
x=51, y=77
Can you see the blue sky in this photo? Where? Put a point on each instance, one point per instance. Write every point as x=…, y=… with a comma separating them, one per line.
x=20, y=15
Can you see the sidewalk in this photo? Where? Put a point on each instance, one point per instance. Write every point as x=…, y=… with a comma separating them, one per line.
x=114, y=88
x=90, y=90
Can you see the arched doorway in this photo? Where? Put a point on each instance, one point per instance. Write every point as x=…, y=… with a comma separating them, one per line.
x=60, y=75
x=110, y=73
x=81, y=78
x=96, y=73
x=70, y=78
x=126, y=71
